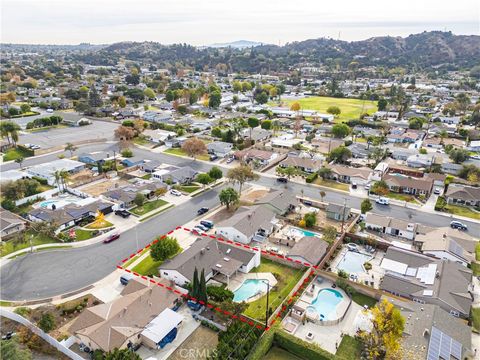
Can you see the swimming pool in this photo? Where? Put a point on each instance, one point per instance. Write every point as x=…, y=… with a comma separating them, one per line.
x=325, y=305
x=352, y=262
x=250, y=288
x=59, y=203
x=294, y=231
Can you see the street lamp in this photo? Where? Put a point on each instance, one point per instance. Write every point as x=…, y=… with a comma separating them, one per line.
x=268, y=291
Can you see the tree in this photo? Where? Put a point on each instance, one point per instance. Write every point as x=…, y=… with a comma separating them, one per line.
x=340, y=130
x=94, y=100
x=329, y=234
x=124, y=133
x=139, y=199
x=458, y=156
x=194, y=289
x=322, y=194
x=47, y=322
x=241, y=174
x=384, y=339
x=149, y=93
x=252, y=122
x=9, y=129
x=324, y=172
x=289, y=172
x=340, y=154
x=266, y=124
x=164, y=249
x=310, y=219
x=194, y=147
x=415, y=123
x=202, y=288
x=334, y=110
x=70, y=147
x=124, y=354
x=261, y=97
x=19, y=161
x=215, y=99
x=382, y=104
x=215, y=173
x=203, y=179
x=128, y=153
x=295, y=106
x=25, y=108
x=10, y=349
x=229, y=196
x=366, y=206
x=122, y=101
x=380, y=188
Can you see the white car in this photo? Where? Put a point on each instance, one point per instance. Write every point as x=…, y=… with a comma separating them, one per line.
x=382, y=201
x=175, y=192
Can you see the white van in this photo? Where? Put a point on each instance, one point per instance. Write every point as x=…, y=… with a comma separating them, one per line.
x=382, y=201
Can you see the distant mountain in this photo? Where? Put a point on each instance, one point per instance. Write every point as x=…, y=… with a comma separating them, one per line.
x=239, y=44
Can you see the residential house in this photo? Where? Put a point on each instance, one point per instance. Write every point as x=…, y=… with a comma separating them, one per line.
x=420, y=160
x=13, y=175
x=47, y=170
x=474, y=145
x=181, y=176
x=95, y=158
x=282, y=202
x=433, y=142
x=150, y=166
x=451, y=120
x=409, y=185
x=309, y=249
x=403, y=154
x=124, y=196
x=391, y=226
x=132, y=161
x=121, y=323
x=428, y=280
x=438, y=179
x=337, y=212
x=447, y=243
x=458, y=194
x=157, y=116
x=360, y=151
x=256, y=134
x=308, y=165
x=217, y=259
x=255, y=155
x=159, y=136
x=451, y=168
x=10, y=224
x=346, y=174
x=219, y=148
x=432, y=333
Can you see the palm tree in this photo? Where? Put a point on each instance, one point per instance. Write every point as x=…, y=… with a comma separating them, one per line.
x=56, y=174
x=64, y=176
x=19, y=161
x=70, y=147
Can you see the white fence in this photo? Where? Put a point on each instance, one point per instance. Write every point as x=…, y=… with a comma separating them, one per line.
x=57, y=345
x=43, y=195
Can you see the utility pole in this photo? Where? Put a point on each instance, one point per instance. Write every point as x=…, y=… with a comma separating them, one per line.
x=343, y=215
x=266, y=314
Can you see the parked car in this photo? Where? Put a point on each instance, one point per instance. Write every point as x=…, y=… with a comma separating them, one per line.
x=124, y=279
x=354, y=185
x=175, y=192
x=437, y=191
x=207, y=223
x=282, y=180
x=202, y=210
x=458, y=225
x=230, y=159
x=367, y=187
x=123, y=213
x=201, y=228
x=382, y=201
x=111, y=238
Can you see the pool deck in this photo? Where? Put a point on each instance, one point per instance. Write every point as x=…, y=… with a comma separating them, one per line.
x=240, y=278
x=375, y=274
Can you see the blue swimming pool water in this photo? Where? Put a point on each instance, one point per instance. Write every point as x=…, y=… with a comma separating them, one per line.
x=306, y=232
x=326, y=303
x=352, y=262
x=249, y=288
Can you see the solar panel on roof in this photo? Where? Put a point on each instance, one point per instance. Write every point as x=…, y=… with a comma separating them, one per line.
x=442, y=346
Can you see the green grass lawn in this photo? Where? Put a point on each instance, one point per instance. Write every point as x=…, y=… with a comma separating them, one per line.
x=402, y=197
x=286, y=276
x=9, y=247
x=331, y=184
x=362, y=300
x=276, y=353
x=477, y=252
x=350, y=348
x=476, y=318
x=15, y=153
x=475, y=266
x=44, y=128
x=351, y=108
x=127, y=263
x=180, y=152
x=187, y=188
x=462, y=211
x=141, y=141
x=83, y=234
x=148, y=206
x=149, y=266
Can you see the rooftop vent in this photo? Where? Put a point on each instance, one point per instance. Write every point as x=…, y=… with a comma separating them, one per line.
x=218, y=265
x=226, y=259
x=228, y=251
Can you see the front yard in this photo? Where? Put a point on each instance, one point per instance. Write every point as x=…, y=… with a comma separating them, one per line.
x=286, y=277
x=148, y=266
x=99, y=225
x=9, y=246
x=402, y=197
x=180, y=152
x=476, y=318
x=462, y=211
x=187, y=188
x=148, y=206
x=16, y=153
x=331, y=184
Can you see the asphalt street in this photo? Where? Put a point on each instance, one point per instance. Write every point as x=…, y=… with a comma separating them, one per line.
x=51, y=273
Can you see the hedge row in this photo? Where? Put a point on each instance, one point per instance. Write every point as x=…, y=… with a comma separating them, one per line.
x=301, y=348
x=311, y=178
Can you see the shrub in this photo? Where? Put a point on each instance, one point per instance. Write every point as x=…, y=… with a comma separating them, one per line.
x=40, y=180
x=440, y=204
x=345, y=286
x=302, y=349
x=311, y=178
x=127, y=153
x=22, y=311
x=163, y=249
x=310, y=219
x=47, y=322
x=343, y=274
x=367, y=266
x=219, y=293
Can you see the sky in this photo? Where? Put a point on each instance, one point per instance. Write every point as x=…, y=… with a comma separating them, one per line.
x=202, y=22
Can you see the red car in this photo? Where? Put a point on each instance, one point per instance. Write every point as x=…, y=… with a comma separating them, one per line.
x=111, y=238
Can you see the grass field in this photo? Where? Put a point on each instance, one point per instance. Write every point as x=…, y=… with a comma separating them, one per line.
x=148, y=206
x=351, y=108
x=276, y=353
x=331, y=184
x=362, y=300
x=180, y=152
x=83, y=234
x=286, y=276
x=8, y=247
x=15, y=153
x=350, y=348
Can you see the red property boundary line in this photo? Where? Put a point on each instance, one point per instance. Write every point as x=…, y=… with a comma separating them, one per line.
x=228, y=313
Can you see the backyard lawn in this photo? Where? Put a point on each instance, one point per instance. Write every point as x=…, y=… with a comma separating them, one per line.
x=180, y=152
x=286, y=276
x=462, y=211
x=331, y=184
x=8, y=247
x=276, y=353
x=148, y=206
x=15, y=153
x=351, y=108
x=362, y=300
x=476, y=318
x=350, y=348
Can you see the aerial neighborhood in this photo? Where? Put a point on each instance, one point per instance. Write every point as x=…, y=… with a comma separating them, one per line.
x=263, y=202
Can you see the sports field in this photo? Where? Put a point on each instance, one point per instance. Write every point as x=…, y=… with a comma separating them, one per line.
x=350, y=108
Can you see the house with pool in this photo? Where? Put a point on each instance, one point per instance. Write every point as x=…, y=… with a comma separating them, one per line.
x=220, y=262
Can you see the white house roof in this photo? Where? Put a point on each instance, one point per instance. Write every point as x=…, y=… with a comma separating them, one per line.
x=159, y=327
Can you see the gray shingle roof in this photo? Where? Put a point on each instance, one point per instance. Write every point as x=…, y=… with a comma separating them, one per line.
x=311, y=248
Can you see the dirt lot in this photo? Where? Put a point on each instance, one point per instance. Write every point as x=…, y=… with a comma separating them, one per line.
x=101, y=187
x=199, y=345
x=253, y=195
